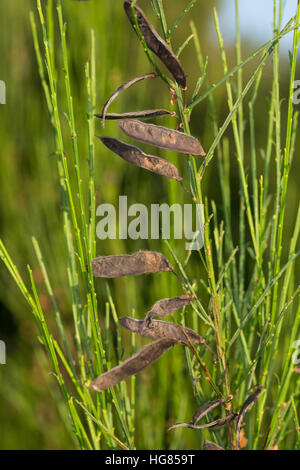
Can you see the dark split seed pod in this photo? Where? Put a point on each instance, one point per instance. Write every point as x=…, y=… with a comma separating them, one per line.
x=147, y=114
x=246, y=406
x=162, y=137
x=214, y=424
x=166, y=307
x=123, y=87
x=139, y=361
x=207, y=408
x=136, y=157
x=203, y=411
x=161, y=329
x=156, y=44
x=142, y=262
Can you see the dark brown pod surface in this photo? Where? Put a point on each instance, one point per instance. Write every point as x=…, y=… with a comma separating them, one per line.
x=136, y=157
x=156, y=44
x=162, y=137
x=142, y=262
x=139, y=361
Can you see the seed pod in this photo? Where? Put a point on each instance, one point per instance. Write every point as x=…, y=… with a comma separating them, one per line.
x=207, y=408
x=166, y=307
x=156, y=44
x=246, y=406
x=162, y=137
x=142, y=262
x=207, y=445
x=160, y=329
x=139, y=361
x=136, y=157
x=214, y=424
x=123, y=87
x=147, y=114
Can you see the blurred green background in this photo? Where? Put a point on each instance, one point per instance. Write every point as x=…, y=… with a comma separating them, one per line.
x=30, y=413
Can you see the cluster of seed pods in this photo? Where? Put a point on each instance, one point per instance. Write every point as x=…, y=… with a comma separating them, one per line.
x=165, y=334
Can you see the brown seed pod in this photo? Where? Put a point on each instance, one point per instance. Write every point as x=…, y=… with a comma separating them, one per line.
x=207, y=445
x=207, y=408
x=156, y=44
x=142, y=262
x=162, y=137
x=246, y=406
x=161, y=329
x=166, y=307
x=214, y=424
x=147, y=114
x=123, y=87
x=136, y=157
x=139, y=361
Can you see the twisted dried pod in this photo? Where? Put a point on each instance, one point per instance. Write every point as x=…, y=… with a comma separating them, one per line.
x=162, y=137
x=203, y=411
x=214, y=424
x=246, y=407
x=136, y=157
x=156, y=44
x=161, y=329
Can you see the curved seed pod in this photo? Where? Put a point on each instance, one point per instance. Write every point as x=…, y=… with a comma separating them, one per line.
x=142, y=262
x=214, y=424
x=136, y=157
x=246, y=406
x=207, y=445
x=139, y=361
x=156, y=44
x=207, y=408
x=123, y=87
x=162, y=137
x=160, y=329
x=166, y=307
x=147, y=114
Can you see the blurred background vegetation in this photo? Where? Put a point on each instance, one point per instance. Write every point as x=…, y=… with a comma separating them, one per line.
x=30, y=412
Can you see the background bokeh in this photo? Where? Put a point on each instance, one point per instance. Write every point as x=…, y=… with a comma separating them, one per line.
x=30, y=412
